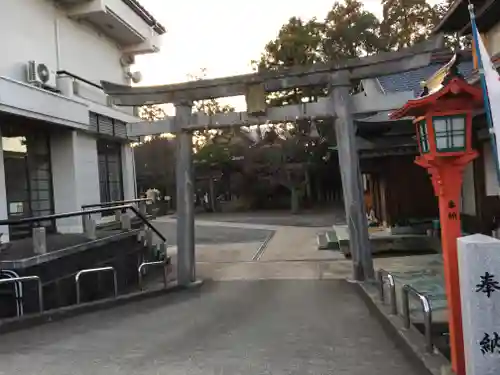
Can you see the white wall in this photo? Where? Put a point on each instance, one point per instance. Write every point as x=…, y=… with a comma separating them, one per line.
x=493, y=40
x=490, y=173
x=38, y=31
x=3, y=197
x=75, y=175
x=468, y=192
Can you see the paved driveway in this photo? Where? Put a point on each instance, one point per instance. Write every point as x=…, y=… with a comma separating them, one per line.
x=316, y=327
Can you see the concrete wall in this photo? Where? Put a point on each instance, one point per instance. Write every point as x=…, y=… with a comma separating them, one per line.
x=468, y=192
x=128, y=168
x=3, y=197
x=492, y=40
x=491, y=180
x=75, y=175
x=39, y=31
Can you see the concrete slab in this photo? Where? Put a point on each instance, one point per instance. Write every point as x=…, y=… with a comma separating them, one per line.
x=383, y=241
x=296, y=244
x=425, y=274
x=265, y=327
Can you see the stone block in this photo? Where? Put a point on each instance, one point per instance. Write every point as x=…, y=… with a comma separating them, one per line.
x=479, y=269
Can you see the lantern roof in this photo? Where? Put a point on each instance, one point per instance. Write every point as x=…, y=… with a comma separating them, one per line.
x=453, y=87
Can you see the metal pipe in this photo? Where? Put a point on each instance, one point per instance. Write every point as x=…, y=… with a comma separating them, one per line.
x=382, y=275
x=143, y=265
x=146, y=222
x=115, y=203
x=38, y=219
x=95, y=270
x=26, y=279
x=426, y=310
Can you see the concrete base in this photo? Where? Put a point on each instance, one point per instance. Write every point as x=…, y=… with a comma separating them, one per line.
x=385, y=242
x=15, y=324
x=411, y=341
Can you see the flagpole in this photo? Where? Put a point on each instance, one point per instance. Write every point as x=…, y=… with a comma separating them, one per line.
x=487, y=106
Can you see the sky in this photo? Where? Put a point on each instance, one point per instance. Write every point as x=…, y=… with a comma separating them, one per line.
x=222, y=36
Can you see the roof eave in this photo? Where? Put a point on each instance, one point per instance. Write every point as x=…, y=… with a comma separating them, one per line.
x=146, y=16
x=453, y=8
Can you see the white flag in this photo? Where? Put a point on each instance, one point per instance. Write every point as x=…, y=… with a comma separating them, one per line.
x=492, y=80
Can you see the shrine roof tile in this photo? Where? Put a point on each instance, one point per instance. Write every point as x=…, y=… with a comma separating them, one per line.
x=410, y=80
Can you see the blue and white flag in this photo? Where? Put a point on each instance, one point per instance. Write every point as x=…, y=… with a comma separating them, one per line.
x=490, y=82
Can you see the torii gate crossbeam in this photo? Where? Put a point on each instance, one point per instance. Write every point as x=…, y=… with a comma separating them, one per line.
x=338, y=106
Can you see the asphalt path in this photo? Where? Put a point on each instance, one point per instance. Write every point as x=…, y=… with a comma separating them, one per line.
x=293, y=327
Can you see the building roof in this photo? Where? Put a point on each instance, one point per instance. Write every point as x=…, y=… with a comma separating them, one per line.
x=457, y=19
x=410, y=80
x=138, y=9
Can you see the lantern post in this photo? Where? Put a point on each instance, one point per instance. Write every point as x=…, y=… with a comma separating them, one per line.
x=443, y=122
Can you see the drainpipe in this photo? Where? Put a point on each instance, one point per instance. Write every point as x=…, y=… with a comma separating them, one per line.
x=57, y=43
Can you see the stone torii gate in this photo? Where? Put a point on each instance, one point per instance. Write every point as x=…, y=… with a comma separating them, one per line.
x=338, y=106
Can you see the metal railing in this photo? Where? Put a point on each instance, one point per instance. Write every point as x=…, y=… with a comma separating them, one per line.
x=23, y=279
x=382, y=276
x=426, y=310
x=166, y=263
x=115, y=203
x=95, y=270
x=131, y=207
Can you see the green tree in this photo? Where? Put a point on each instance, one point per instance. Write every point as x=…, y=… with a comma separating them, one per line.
x=406, y=22
x=347, y=31
x=350, y=31
x=151, y=112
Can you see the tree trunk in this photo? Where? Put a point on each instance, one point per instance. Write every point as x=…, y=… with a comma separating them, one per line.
x=212, y=194
x=308, y=186
x=295, y=204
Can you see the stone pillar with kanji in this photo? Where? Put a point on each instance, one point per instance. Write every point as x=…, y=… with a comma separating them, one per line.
x=479, y=272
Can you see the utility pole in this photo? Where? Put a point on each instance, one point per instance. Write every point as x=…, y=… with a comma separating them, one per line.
x=352, y=187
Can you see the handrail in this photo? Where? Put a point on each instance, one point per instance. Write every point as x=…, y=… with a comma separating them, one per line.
x=392, y=289
x=426, y=310
x=95, y=270
x=25, y=279
x=115, y=203
x=82, y=213
x=78, y=78
x=165, y=263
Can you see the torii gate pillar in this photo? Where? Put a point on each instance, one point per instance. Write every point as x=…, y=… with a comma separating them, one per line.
x=186, y=273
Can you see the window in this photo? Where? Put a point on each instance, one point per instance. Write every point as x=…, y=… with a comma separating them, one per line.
x=423, y=136
x=28, y=177
x=449, y=133
x=110, y=171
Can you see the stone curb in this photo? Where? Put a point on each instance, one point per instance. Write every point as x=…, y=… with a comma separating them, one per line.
x=410, y=341
x=28, y=321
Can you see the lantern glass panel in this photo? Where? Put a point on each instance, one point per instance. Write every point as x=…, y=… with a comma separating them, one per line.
x=423, y=136
x=449, y=133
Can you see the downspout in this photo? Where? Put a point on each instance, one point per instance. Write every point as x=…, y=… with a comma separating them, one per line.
x=57, y=42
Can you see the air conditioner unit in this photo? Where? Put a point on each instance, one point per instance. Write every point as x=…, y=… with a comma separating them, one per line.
x=40, y=75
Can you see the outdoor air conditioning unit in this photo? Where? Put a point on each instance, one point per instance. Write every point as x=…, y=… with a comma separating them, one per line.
x=39, y=74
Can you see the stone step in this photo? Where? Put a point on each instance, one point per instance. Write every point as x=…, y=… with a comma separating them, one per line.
x=322, y=241
x=327, y=241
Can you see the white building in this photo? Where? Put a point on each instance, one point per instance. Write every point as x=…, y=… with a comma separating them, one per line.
x=63, y=143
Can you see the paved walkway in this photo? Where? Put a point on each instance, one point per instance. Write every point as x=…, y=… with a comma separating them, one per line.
x=240, y=327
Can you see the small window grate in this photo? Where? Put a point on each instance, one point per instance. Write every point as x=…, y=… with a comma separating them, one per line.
x=120, y=129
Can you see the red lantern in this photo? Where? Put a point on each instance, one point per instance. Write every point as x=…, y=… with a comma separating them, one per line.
x=443, y=122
